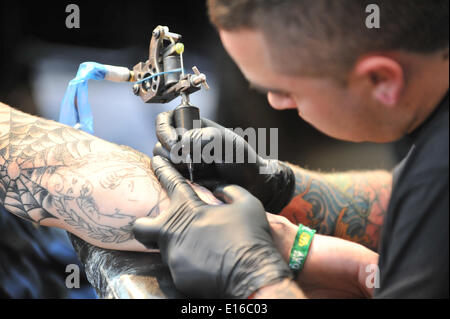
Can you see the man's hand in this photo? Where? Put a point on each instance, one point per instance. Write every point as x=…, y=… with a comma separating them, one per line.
x=212, y=250
x=274, y=189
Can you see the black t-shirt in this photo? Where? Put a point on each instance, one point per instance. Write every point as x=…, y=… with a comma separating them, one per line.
x=414, y=247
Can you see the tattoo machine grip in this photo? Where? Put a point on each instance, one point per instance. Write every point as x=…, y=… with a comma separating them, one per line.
x=185, y=115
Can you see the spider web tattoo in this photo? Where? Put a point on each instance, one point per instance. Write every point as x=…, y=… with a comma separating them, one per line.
x=45, y=170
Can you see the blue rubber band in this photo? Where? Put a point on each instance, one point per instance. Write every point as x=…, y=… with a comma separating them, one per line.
x=157, y=74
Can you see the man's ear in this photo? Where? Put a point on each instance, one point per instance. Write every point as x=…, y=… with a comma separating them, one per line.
x=385, y=77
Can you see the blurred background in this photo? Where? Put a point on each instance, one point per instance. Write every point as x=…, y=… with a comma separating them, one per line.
x=39, y=55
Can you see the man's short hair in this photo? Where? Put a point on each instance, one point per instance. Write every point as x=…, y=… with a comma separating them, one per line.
x=326, y=37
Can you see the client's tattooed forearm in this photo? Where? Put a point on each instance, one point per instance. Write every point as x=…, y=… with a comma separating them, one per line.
x=348, y=205
x=51, y=173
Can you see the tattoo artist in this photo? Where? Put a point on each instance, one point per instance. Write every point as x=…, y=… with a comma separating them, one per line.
x=362, y=234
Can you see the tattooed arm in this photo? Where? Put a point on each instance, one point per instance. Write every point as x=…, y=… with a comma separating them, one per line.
x=55, y=175
x=349, y=205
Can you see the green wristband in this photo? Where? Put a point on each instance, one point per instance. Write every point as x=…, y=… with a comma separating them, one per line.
x=300, y=248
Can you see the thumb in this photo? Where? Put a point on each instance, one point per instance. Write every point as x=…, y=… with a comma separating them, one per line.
x=231, y=194
x=165, y=130
x=146, y=230
x=159, y=150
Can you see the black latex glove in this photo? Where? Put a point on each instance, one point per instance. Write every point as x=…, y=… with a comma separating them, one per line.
x=274, y=190
x=213, y=251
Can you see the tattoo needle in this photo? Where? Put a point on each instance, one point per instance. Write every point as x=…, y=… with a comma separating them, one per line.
x=190, y=167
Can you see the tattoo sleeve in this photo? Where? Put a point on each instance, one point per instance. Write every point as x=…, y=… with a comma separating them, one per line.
x=55, y=175
x=348, y=205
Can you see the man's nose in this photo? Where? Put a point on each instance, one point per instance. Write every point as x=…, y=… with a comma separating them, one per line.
x=281, y=102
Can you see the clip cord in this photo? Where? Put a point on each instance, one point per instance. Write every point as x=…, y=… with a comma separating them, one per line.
x=157, y=74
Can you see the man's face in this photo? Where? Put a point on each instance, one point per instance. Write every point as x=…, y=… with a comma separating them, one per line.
x=334, y=109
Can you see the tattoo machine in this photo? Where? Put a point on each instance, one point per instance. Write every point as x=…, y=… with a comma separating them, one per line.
x=160, y=79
